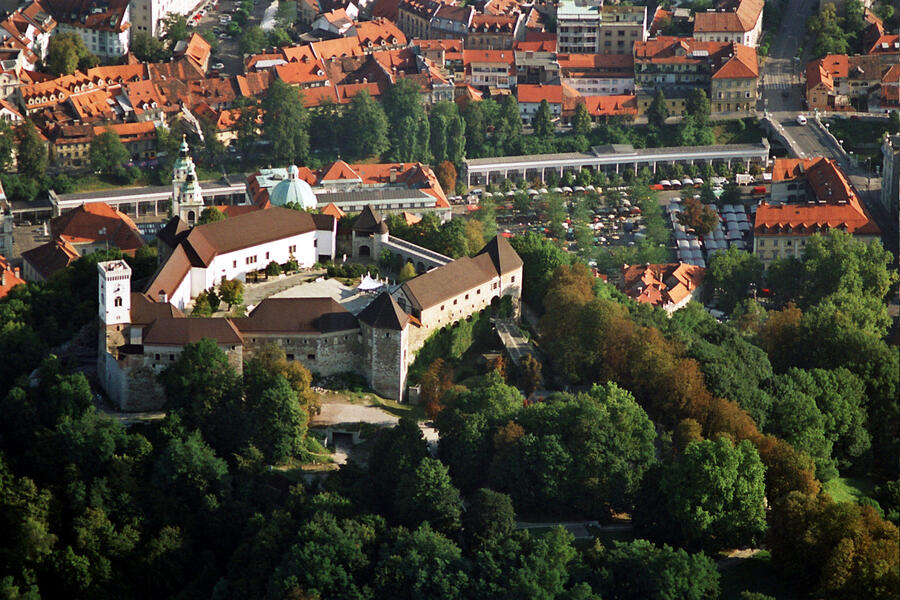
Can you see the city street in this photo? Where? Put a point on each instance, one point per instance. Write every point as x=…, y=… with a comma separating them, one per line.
x=228, y=52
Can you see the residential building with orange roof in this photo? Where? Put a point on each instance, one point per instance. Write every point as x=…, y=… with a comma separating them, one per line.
x=446, y=54
x=496, y=32
x=334, y=22
x=601, y=107
x=669, y=286
x=490, y=68
x=598, y=74
x=10, y=277
x=28, y=28
x=886, y=44
x=809, y=196
x=738, y=21
x=105, y=28
x=728, y=72
x=530, y=97
x=835, y=81
x=379, y=34
x=195, y=48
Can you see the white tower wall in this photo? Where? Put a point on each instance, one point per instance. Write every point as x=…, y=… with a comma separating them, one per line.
x=115, y=292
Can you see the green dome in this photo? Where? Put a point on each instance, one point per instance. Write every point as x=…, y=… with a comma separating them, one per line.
x=293, y=189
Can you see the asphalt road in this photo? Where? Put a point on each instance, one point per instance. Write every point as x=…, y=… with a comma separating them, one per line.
x=228, y=52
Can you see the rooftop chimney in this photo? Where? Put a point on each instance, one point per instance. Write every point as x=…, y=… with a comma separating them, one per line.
x=163, y=297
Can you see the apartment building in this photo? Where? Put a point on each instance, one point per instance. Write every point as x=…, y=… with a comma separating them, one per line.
x=147, y=14
x=809, y=196
x=836, y=81
x=104, y=27
x=726, y=71
x=589, y=27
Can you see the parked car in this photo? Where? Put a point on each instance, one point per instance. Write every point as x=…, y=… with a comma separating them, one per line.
x=217, y=66
x=801, y=120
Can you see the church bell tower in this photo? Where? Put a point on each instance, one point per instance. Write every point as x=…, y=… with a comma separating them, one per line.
x=187, y=196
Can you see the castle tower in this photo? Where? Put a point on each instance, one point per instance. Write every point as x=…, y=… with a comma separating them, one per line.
x=115, y=292
x=385, y=335
x=187, y=196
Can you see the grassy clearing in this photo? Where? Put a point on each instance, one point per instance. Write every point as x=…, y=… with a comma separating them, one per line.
x=96, y=183
x=398, y=409
x=755, y=574
x=849, y=489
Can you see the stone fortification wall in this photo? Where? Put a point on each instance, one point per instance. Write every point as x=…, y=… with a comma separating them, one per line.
x=324, y=354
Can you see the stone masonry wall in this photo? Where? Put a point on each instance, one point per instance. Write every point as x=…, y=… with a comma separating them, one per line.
x=333, y=353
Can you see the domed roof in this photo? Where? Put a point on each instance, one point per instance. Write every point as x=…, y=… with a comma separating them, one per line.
x=293, y=189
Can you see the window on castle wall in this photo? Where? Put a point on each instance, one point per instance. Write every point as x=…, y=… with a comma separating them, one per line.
x=117, y=302
x=311, y=357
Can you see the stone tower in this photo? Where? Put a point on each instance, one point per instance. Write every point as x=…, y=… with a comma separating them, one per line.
x=385, y=334
x=187, y=196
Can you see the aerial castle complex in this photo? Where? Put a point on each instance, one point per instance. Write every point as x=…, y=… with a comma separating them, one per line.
x=143, y=332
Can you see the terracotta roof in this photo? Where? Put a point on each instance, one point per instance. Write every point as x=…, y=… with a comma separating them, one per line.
x=837, y=204
x=179, y=332
x=440, y=284
x=410, y=218
x=541, y=45
x=379, y=31
x=886, y=44
x=10, y=277
x=51, y=257
x=489, y=56
x=145, y=310
x=743, y=17
x=661, y=284
x=246, y=230
x=535, y=93
x=727, y=60
x=97, y=222
x=89, y=14
x=743, y=65
x=333, y=210
x=610, y=105
x=290, y=315
x=198, y=50
x=493, y=23
x=383, y=313
x=338, y=171
x=170, y=274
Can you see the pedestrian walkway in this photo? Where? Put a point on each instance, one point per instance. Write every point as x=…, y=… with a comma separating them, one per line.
x=513, y=340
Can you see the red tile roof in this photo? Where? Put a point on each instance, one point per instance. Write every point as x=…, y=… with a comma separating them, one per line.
x=9, y=277
x=661, y=284
x=97, y=222
x=742, y=19
x=51, y=257
x=837, y=204
x=886, y=44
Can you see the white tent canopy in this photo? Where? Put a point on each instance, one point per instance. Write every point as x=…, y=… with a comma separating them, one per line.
x=368, y=283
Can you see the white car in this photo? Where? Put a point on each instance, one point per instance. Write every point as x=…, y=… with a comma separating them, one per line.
x=801, y=120
x=217, y=67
